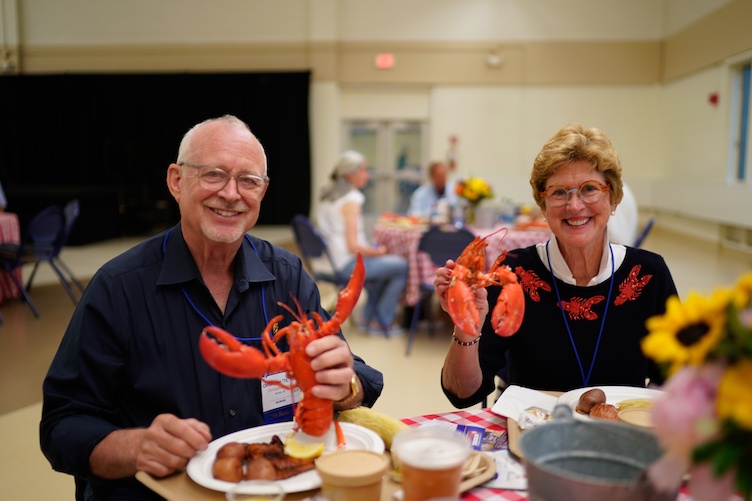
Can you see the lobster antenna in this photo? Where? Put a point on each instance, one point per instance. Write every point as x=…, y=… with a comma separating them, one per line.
x=299, y=315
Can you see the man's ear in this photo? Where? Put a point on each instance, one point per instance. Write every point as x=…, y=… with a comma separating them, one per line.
x=174, y=175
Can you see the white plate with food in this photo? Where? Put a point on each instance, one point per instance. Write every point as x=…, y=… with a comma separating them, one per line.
x=614, y=396
x=199, y=468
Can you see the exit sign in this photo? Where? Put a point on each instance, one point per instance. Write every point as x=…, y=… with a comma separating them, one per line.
x=384, y=61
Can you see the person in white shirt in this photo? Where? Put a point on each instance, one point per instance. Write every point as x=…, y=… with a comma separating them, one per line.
x=340, y=220
x=425, y=200
x=622, y=226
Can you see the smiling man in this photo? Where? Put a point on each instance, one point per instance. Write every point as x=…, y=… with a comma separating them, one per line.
x=128, y=389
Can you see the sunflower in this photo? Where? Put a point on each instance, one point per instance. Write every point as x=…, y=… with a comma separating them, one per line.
x=688, y=331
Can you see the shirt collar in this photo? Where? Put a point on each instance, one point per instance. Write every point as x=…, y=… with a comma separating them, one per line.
x=561, y=268
x=181, y=267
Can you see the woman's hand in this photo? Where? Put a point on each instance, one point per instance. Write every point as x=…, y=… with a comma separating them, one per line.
x=441, y=285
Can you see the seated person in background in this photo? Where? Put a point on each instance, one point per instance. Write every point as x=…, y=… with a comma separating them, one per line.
x=622, y=226
x=340, y=220
x=425, y=200
x=128, y=389
x=586, y=299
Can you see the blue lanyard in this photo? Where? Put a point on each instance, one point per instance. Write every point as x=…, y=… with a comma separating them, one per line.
x=195, y=308
x=585, y=380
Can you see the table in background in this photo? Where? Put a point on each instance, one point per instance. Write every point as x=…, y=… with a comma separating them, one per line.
x=10, y=232
x=404, y=240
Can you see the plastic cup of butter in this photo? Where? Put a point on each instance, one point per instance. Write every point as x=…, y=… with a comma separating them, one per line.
x=636, y=417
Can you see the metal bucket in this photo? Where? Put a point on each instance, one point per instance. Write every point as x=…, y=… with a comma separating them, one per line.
x=569, y=459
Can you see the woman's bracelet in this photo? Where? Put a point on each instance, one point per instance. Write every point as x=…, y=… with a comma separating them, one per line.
x=465, y=343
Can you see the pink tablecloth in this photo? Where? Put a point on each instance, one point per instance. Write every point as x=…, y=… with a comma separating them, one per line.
x=9, y=232
x=490, y=421
x=404, y=242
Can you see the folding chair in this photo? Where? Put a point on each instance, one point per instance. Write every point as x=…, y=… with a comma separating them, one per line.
x=38, y=244
x=441, y=243
x=313, y=250
x=315, y=254
x=644, y=233
x=71, y=210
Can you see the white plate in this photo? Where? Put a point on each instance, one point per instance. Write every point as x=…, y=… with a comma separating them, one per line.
x=199, y=468
x=614, y=395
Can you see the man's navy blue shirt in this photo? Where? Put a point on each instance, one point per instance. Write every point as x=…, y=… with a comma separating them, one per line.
x=131, y=350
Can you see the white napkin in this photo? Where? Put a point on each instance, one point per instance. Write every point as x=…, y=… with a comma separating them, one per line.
x=516, y=399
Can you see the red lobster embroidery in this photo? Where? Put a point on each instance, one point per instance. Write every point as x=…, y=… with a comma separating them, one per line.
x=631, y=288
x=531, y=283
x=579, y=308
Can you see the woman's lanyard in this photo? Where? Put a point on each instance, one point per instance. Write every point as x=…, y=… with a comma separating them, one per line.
x=195, y=308
x=585, y=380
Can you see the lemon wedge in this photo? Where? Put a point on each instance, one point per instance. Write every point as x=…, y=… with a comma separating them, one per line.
x=300, y=450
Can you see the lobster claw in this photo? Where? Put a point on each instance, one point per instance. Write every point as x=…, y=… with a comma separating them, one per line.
x=347, y=299
x=509, y=311
x=461, y=304
x=225, y=354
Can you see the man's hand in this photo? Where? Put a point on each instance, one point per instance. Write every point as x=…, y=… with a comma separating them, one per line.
x=333, y=363
x=161, y=449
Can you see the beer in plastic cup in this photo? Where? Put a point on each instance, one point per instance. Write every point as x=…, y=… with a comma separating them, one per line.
x=431, y=460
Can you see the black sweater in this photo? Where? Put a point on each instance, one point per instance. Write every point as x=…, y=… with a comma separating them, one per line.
x=540, y=355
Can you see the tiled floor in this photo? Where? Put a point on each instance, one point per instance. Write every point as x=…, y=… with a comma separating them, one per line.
x=411, y=383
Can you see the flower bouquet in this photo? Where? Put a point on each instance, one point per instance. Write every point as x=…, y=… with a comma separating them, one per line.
x=473, y=190
x=704, y=418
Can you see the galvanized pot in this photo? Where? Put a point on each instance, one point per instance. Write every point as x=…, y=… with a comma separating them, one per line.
x=569, y=459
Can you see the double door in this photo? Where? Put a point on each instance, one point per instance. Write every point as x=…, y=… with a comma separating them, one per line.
x=396, y=153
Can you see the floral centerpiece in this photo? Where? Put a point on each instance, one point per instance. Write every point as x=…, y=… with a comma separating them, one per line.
x=473, y=190
x=704, y=418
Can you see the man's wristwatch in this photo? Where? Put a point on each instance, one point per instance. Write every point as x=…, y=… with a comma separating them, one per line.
x=353, y=392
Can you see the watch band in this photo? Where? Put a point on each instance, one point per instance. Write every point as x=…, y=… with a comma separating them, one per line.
x=354, y=389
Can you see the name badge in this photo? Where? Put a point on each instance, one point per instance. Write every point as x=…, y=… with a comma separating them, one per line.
x=278, y=402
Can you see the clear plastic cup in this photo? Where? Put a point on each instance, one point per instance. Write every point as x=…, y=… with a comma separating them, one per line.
x=430, y=460
x=256, y=490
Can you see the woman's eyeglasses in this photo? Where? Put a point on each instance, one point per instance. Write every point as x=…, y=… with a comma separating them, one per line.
x=589, y=192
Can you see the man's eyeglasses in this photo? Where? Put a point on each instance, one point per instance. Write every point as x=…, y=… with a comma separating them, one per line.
x=214, y=179
x=589, y=192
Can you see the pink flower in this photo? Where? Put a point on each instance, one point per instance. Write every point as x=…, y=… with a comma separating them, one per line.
x=706, y=486
x=684, y=417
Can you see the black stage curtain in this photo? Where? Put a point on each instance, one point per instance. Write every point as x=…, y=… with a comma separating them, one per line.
x=108, y=139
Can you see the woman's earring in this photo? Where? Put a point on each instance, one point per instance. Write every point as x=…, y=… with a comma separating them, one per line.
x=613, y=212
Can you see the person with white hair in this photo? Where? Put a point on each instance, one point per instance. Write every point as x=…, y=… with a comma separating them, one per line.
x=340, y=220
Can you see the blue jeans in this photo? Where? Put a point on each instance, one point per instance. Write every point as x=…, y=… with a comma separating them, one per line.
x=386, y=278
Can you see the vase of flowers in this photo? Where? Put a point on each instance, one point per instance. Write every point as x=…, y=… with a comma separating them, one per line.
x=472, y=191
x=704, y=418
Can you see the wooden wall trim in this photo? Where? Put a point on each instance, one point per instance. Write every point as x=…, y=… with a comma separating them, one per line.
x=717, y=36
x=424, y=63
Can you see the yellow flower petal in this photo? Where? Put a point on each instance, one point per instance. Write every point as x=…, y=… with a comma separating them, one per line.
x=734, y=399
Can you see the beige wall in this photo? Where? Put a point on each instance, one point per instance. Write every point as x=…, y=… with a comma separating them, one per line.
x=641, y=70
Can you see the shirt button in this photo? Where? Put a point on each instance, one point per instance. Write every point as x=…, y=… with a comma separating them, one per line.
x=232, y=412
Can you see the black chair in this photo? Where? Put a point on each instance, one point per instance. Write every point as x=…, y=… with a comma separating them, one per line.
x=38, y=244
x=643, y=233
x=71, y=210
x=312, y=247
x=441, y=243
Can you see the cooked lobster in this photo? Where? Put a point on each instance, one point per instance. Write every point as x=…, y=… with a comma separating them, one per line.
x=469, y=272
x=224, y=353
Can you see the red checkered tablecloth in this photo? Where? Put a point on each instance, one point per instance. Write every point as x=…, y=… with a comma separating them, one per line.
x=491, y=421
x=9, y=232
x=404, y=241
